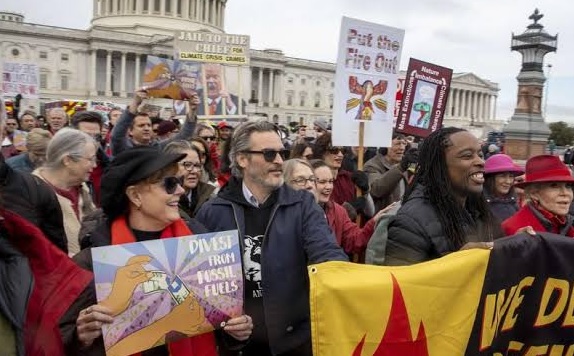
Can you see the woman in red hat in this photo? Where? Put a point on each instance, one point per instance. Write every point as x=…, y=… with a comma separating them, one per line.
x=548, y=189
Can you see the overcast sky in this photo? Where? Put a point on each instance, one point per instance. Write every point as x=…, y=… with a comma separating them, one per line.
x=465, y=35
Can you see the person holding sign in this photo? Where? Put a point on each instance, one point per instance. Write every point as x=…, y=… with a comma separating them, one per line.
x=283, y=231
x=138, y=126
x=140, y=202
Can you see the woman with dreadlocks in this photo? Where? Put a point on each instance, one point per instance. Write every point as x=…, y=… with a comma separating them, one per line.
x=443, y=209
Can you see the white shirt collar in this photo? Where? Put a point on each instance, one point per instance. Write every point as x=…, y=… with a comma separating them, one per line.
x=249, y=196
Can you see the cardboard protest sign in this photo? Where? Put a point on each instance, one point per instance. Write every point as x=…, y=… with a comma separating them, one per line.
x=398, y=99
x=225, y=72
x=167, y=289
x=201, y=46
x=20, y=78
x=165, y=78
x=365, y=81
x=424, y=98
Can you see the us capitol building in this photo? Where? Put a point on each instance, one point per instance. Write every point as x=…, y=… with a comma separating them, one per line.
x=106, y=62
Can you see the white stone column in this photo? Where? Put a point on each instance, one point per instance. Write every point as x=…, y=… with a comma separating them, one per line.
x=457, y=110
x=463, y=106
x=198, y=10
x=93, y=71
x=96, y=13
x=489, y=107
x=279, y=88
x=174, y=8
x=162, y=7
x=217, y=10
x=114, y=7
x=123, y=77
x=271, y=92
x=109, y=73
x=480, y=106
x=185, y=9
x=449, y=105
x=206, y=12
x=260, y=88
x=222, y=16
x=213, y=17
x=137, y=83
x=494, y=107
x=473, y=105
x=139, y=6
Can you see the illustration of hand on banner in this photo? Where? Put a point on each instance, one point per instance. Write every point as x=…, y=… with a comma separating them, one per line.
x=126, y=280
x=186, y=318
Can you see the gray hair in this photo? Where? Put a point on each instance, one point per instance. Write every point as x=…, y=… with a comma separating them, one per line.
x=55, y=110
x=179, y=146
x=200, y=127
x=290, y=165
x=241, y=141
x=38, y=140
x=66, y=142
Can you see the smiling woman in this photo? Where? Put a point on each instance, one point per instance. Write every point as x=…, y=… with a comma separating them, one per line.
x=548, y=188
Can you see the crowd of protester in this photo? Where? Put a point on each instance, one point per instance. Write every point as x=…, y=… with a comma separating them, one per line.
x=89, y=181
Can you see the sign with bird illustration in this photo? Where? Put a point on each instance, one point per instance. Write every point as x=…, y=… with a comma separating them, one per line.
x=368, y=60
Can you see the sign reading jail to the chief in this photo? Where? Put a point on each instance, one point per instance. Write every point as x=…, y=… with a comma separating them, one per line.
x=200, y=46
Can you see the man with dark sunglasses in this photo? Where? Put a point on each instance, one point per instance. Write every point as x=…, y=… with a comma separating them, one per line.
x=283, y=231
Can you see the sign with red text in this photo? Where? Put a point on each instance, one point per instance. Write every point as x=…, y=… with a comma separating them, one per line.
x=365, y=81
x=424, y=98
x=201, y=46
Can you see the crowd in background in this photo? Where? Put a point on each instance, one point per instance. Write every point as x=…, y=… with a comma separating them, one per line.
x=71, y=184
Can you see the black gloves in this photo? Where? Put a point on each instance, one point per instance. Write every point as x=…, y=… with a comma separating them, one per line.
x=410, y=157
x=361, y=180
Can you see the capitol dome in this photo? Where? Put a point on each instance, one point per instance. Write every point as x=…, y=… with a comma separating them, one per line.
x=159, y=17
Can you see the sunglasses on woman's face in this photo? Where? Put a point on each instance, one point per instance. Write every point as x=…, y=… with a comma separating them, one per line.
x=335, y=150
x=170, y=184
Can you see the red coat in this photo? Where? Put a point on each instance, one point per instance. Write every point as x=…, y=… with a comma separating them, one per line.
x=525, y=217
x=344, y=189
x=58, y=281
x=350, y=237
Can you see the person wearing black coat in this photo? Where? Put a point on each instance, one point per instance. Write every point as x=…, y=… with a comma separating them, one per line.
x=33, y=199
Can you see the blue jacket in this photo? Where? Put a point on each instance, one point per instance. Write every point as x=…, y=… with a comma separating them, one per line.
x=21, y=163
x=297, y=235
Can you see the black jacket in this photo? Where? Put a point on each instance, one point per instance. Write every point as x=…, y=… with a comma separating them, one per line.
x=416, y=234
x=35, y=201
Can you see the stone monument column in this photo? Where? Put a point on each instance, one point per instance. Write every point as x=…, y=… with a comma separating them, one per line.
x=527, y=133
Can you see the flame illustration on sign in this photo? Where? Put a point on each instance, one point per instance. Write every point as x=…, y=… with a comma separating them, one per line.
x=398, y=339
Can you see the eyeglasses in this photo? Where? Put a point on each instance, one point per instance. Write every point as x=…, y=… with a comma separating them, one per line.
x=335, y=150
x=301, y=181
x=191, y=166
x=269, y=155
x=325, y=181
x=170, y=184
x=93, y=159
x=208, y=138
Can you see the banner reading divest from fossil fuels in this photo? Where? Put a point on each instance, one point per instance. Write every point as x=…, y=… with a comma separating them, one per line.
x=516, y=299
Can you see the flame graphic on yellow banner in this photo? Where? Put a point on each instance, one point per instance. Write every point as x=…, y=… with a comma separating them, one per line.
x=421, y=310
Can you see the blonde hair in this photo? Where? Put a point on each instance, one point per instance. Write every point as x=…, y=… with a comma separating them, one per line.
x=37, y=140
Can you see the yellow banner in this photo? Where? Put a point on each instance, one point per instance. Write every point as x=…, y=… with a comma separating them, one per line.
x=426, y=309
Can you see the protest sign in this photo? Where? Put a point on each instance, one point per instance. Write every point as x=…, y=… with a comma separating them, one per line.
x=201, y=46
x=365, y=80
x=70, y=106
x=165, y=78
x=167, y=289
x=398, y=99
x=424, y=98
x=516, y=299
x=225, y=72
x=20, y=78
